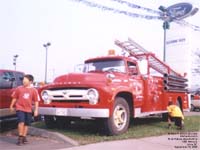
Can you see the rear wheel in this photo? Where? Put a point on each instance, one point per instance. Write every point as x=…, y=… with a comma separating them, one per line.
x=165, y=116
x=192, y=108
x=119, y=121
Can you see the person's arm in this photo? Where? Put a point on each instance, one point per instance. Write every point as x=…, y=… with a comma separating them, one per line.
x=36, y=109
x=12, y=104
x=36, y=103
x=14, y=96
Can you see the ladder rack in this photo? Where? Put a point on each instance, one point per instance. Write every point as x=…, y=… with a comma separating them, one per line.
x=137, y=51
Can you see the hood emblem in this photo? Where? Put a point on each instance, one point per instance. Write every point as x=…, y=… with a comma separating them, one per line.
x=65, y=92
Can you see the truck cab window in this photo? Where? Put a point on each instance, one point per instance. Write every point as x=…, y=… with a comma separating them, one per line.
x=115, y=65
x=19, y=77
x=132, y=68
x=6, y=79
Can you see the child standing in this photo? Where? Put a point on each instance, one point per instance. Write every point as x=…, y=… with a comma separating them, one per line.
x=23, y=98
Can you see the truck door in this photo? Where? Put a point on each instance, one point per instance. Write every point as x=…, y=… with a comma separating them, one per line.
x=136, y=84
x=6, y=79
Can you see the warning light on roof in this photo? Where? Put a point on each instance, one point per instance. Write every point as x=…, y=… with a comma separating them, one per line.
x=111, y=52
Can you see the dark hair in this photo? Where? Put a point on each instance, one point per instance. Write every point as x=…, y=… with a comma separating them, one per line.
x=29, y=77
x=170, y=103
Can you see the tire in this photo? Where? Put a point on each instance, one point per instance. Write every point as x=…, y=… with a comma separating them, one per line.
x=118, y=123
x=165, y=116
x=62, y=122
x=50, y=122
x=192, y=108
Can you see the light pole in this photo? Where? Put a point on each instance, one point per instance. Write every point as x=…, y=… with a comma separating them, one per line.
x=173, y=13
x=15, y=61
x=166, y=19
x=165, y=27
x=46, y=48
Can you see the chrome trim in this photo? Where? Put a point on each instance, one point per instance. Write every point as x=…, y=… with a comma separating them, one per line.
x=67, y=94
x=75, y=112
x=138, y=112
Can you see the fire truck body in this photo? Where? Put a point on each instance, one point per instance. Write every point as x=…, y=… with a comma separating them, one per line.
x=114, y=88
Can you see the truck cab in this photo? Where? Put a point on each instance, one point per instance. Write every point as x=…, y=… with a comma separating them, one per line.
x=9, y=80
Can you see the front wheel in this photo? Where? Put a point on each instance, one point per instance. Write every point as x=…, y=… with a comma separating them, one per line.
x=62, y=122
x=165, y=116
x=50, y=122
x=119, y=121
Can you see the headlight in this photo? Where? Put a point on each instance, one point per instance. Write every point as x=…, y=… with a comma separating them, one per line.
x=45, y=97
x=93, y=96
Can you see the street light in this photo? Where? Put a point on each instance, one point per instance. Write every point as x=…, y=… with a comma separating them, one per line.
x=15, y=61
x=173, y=13
x=165, y=27
x=46, y=48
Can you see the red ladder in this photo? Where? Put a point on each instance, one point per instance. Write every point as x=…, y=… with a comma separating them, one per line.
x=137, y=51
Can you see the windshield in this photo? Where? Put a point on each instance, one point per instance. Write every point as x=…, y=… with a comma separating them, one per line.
x=103, y=65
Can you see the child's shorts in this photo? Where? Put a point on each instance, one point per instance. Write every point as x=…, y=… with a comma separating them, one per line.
x=25, y=117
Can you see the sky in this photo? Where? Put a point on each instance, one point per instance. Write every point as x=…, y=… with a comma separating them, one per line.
x=76, y=32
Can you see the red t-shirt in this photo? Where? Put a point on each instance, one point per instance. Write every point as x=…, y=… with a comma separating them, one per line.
x=25, y=97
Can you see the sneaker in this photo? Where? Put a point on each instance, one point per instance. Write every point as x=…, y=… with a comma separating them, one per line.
x=25, y=141
x=20, y=141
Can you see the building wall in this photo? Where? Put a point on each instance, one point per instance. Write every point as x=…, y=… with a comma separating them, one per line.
x=181, y=47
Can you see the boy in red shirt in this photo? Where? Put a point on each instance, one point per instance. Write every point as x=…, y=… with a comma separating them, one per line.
x=23, y=98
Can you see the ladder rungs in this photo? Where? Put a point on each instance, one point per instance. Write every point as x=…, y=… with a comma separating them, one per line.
x=139, y=52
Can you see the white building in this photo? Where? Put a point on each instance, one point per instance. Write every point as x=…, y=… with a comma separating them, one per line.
x=182, y=49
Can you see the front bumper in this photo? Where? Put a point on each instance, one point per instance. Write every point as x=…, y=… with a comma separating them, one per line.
x=75, y=112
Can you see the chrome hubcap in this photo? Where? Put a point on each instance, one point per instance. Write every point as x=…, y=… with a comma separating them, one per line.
x=120, y=117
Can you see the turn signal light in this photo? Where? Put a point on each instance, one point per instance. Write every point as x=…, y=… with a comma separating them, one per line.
x=111, y=52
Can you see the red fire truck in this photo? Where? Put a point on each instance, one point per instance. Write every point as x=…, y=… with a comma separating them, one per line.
x=114, y=88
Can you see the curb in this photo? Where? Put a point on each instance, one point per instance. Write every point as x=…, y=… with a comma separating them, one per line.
x=51, y=135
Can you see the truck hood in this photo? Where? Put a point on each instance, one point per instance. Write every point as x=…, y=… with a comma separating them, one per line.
x=88, y=78
x=81, y=78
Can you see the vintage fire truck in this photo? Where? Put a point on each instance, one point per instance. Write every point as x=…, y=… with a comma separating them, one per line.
x=113, y=89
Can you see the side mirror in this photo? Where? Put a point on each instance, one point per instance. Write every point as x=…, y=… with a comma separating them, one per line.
x=79, y=68
x=132, y=70
x=143, y=66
